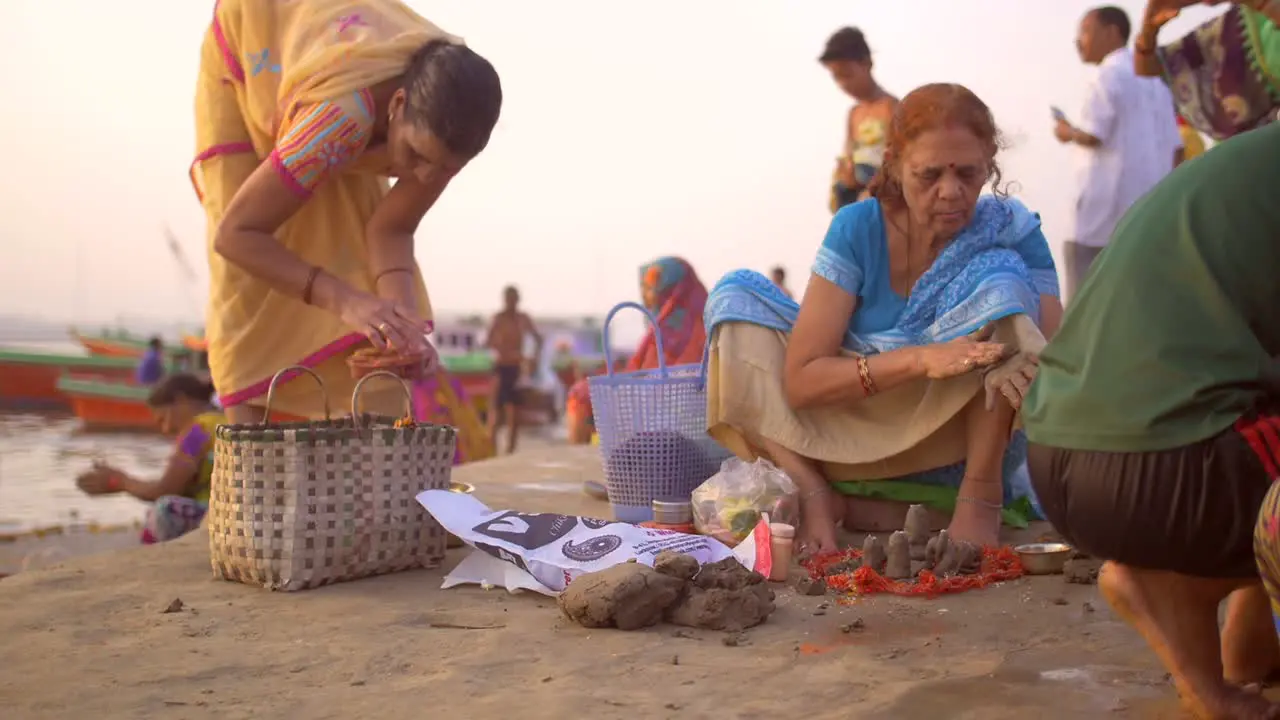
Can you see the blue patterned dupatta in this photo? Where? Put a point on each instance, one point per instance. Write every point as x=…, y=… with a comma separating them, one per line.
x=979, y=278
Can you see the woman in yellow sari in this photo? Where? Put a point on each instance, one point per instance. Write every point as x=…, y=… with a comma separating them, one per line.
x=304, y=109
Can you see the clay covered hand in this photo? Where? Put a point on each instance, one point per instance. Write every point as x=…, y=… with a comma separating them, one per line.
x=1011, y=378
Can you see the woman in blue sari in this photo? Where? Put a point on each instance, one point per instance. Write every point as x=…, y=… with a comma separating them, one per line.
x=921, y=297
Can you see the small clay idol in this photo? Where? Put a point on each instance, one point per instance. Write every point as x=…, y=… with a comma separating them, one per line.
x=873, y=553
x=917, y=529
x=898, y=562
x=936, y=549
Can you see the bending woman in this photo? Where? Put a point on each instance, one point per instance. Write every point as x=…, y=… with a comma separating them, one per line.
x=871, y=387
x=181, y=405
x=303, y=111
x=671, y=290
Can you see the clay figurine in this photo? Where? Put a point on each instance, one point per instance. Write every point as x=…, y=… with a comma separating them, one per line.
x=917, y=529
x=898, y=563
x=959, y=558
x=873, y=553
x=936, y=549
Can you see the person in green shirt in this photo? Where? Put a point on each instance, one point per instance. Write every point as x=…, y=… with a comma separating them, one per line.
x=1153, y=421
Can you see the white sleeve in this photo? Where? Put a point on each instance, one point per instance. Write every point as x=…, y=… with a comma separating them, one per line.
x=1100, y=106
x=1175, y=135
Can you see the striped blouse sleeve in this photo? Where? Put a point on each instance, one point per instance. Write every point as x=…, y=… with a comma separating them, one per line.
x=322, y=139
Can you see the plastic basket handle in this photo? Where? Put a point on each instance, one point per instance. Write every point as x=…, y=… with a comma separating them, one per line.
x=355, y=393
x=657, y=337
x=293, y=371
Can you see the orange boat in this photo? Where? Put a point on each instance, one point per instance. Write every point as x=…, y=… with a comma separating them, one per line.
x=116, y=406
x=30, y=379
x=195, y=344
x=104, y=345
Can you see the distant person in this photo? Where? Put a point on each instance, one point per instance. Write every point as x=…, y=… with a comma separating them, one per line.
x=505, y=338
x=181, y=405
x=1127, y=135
x=779, y=277
x=1222, y=72
x=671, y=290
x=848, y=58
x=151, y=366
x=303, y=112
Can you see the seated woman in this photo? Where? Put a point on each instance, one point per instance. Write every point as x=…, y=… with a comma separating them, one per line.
x=1155, y=423
x=673, y=293
x=872, y=386
x=181, y=496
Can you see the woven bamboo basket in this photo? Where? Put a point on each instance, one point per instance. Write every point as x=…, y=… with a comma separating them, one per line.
x=298, y=505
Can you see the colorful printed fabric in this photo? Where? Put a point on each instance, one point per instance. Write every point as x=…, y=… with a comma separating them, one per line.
x=678, y=299
x=441, y=400
x=171, y=517
x=1223, y=75
x=197, y=444
x=1263, y=435
x=321, y=140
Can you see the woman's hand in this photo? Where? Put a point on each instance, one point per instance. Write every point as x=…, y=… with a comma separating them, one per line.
x=1011, y=378
x=940, y=361
x=1159, y=12
x=387, y=324
x=101, y=479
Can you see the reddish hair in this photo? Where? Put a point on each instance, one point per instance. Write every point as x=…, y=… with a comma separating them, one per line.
x=932, y=107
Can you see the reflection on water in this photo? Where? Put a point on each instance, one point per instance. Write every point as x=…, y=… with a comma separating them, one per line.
x=40, y=457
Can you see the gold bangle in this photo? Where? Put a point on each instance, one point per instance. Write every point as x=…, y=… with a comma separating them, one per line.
x=864, y=374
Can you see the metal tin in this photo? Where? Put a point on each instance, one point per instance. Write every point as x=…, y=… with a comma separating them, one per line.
x=672, y=512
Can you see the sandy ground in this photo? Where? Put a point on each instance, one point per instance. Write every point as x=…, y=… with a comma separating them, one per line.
x=88, y=638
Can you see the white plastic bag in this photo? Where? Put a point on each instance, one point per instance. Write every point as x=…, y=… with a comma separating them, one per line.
x=544, y=552
x=731, y=503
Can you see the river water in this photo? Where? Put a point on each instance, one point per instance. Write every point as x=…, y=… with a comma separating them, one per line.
x=41, y=455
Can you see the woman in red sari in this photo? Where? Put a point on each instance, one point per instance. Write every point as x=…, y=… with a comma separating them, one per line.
x=674, y=294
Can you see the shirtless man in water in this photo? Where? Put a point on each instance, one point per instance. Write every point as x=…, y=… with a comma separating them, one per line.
x=506, y=339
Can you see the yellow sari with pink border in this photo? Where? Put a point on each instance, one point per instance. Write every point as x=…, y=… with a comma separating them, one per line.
x=270, y=75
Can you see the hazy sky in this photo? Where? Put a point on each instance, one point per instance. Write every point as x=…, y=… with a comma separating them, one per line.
x=704, y=129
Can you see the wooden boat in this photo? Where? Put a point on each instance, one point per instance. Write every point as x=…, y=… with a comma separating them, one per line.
x=195, y=343
x=30, y=379
x=109, y=345
x=116, y=405
x=107, y=405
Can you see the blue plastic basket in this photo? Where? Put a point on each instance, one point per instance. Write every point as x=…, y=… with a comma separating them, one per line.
x=653, y=430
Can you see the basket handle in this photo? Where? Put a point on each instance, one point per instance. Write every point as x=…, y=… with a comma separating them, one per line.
x=657, y=336
x=355, y=394
x=292, y=371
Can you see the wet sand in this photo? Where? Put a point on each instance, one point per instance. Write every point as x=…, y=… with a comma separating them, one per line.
x=89, y=638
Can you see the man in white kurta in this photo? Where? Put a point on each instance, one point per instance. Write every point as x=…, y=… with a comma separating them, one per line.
x=1127, y=138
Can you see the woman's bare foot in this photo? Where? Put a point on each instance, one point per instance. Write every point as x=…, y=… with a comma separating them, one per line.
x=975, y=522
x=1177, y=616
x=817, y=525
x=1250, y=651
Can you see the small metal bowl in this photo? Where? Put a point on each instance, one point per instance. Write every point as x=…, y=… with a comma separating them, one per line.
x=1043, y=558
x=453, y=541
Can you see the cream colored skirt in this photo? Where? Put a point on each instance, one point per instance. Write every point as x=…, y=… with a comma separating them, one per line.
x=911, y=428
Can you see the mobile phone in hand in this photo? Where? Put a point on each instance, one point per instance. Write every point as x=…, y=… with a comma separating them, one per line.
x=1058, y=114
